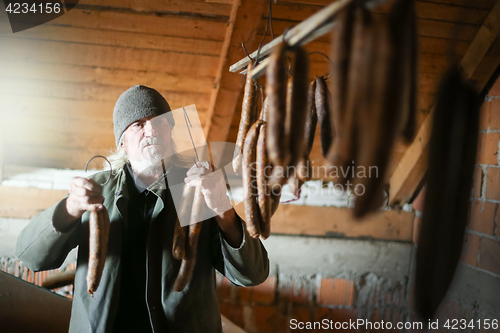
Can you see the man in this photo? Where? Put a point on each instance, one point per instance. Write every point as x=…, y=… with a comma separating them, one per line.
x=136, y=289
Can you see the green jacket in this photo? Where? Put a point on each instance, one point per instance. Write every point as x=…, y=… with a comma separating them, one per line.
x=41, y=247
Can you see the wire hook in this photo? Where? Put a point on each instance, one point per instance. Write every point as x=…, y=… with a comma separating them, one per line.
x=329, y=60
x=110, y=168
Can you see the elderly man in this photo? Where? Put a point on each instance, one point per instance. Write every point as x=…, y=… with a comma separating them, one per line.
x=136, y=289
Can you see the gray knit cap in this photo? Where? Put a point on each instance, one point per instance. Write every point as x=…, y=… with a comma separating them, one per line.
x=136, y=103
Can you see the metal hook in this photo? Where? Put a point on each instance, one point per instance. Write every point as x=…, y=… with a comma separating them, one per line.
x=188, y=124
x=329, y=60
x=245, y=49
x=110, y=168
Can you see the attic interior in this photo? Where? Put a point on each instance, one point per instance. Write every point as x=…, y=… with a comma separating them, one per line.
x=59, y=84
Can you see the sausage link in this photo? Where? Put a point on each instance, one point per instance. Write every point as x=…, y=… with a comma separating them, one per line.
x=323, y=110
x=341, y=62
x=179, y=243
x=380, y=117
x=309, y=131
x=344, y=149
x=99, y=225
x=311, y=119
x=263, y=196
x=186, y=205
x=248, y=117
x=277, y=139
x=195, y=225
x=297, y=107
x=452, y=158
x=250, y=191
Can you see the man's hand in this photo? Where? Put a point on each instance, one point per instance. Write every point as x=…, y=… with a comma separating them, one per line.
x=213, y=186
x=84, y=194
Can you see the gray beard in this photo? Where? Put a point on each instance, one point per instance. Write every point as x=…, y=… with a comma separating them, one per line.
x=147, y=167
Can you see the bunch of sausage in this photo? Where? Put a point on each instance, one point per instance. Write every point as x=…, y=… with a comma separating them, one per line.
x=374, y=94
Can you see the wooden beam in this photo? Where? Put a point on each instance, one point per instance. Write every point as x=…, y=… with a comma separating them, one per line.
x=26, y=202
x=394, y=225
x=413, y=165
x=242, y=26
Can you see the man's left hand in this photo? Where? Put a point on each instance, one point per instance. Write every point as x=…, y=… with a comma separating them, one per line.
x=213, y=186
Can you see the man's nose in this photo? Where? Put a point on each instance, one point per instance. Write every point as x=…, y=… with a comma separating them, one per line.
x=150, y=128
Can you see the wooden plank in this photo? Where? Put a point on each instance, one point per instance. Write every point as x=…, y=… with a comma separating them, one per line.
x=107, y=56
x=165, y=25
x=57, y=107
x=243, y=21
x=425, y=10
x=85, y=91
x=482, y=43
x=164, y=6
x=310, y=221
x=428, y=28
x=35, y=70
x=413, y=165
x=25, y=202
x=116, y=38
x=51, y=157
x=483, y=4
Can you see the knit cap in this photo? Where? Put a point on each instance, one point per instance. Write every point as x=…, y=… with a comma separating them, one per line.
x=136, y=103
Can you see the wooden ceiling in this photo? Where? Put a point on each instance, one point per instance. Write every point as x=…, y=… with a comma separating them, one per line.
x=59, y=81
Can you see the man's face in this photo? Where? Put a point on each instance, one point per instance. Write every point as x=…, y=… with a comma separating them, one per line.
x=148, y=140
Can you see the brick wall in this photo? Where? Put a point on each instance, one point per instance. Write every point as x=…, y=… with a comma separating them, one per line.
x=313, y=279
x=12, y=265
x=271, y=306
x=481, y=248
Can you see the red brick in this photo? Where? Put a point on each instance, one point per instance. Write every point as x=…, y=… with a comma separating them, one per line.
x=497, y=222
x=223, y=288
x=344, y=315
x=416, y=229
x=487, y=152
x=264, y=318
x=494, y=114
x=484, y=119
x=245, y=294
x=493, y=184
x=489, y=256
x=301, y=313
x=495, y=89
x=322, y=313
x=265, y=292
x=478, y=181
x=482, y=217
x=470, y=249
x=336, y=292
x=233, y=312
x=490, y=115
x=375, y=317
x=302, y=295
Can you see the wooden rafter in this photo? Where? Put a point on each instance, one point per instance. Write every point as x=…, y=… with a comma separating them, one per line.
x=412, y=167
x=242, y=27
x=310, y=220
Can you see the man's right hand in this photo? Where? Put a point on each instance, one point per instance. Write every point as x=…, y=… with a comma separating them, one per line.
x=84, y=194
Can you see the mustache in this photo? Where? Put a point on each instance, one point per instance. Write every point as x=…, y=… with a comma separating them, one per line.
x=150, y=141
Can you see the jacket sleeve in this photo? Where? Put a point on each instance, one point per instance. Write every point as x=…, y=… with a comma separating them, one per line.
x=247, y=265
x=40, y=246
